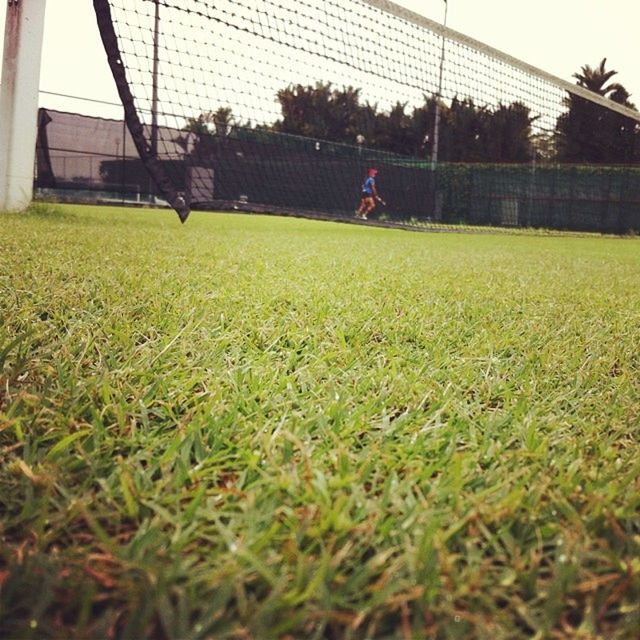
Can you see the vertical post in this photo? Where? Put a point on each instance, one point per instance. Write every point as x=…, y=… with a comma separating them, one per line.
x=124, y=156
x=532, y=182
x=24, y=30
x=154, y=94
x=437, y=204
x=436, y=123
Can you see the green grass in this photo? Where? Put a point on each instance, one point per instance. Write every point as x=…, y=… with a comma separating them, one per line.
x=255, y=427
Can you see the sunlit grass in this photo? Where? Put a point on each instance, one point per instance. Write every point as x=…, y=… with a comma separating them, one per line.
x=254, y=427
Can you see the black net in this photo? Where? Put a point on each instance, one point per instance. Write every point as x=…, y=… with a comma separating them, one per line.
x=284, y=104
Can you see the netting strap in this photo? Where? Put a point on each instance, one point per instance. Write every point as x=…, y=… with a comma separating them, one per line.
x=162, y=181
x=45, y=176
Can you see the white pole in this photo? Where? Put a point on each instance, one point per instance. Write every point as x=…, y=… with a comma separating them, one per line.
x=24, y=30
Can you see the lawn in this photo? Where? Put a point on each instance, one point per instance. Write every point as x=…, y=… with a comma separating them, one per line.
x=255, y=427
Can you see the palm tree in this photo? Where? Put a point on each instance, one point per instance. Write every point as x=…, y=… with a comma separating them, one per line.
x=596, y=79
x=588, y=132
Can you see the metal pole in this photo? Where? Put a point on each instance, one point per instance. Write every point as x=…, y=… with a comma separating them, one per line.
x=154, y=95
x=436, y=124
x=124, y=155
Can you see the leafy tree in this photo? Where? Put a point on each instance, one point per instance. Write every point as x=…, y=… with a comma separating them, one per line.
x=468, y=133
x=367, y=125
x=306, y=111
x=462, y=136
x=471, y=133
x=544, y=146
x=205, y=131
x=508, y=133
x=590, y=133
x=337, y=115
x=422, y=122
x=394, y=130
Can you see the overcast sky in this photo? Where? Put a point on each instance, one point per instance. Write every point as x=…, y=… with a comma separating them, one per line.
x=558, y=36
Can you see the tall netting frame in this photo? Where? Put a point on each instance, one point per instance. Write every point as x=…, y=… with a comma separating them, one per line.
x=202, y=84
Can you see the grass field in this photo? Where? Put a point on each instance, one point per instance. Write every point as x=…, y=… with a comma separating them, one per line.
x=255, y=427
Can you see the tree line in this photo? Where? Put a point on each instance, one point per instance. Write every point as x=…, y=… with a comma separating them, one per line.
x=468, y=132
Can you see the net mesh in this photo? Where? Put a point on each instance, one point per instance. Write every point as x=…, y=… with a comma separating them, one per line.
x=285, y=103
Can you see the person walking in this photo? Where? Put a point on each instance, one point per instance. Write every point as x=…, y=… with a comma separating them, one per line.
x=369, y=195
